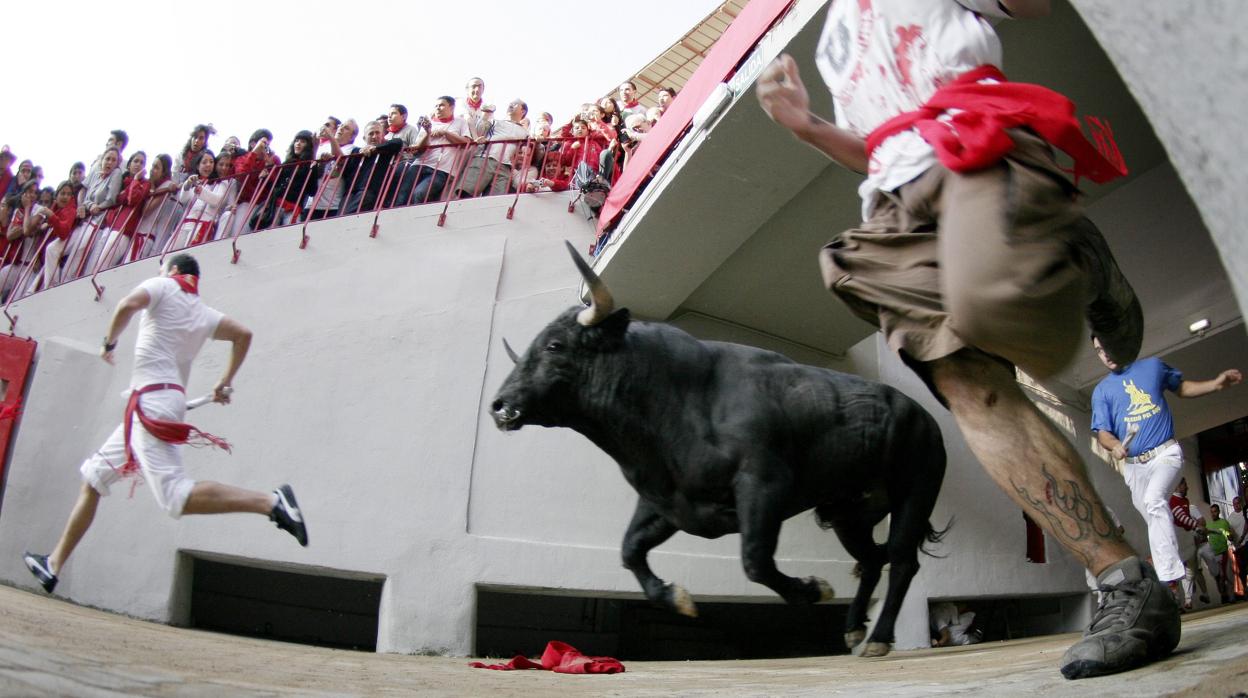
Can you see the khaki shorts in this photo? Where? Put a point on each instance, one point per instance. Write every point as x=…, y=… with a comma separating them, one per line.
x=982, y=260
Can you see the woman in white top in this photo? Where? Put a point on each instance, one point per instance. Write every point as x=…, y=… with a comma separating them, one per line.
x=204, y=198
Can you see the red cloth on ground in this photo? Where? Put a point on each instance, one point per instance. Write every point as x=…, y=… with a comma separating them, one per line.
x=560, y=658
x=975, y=137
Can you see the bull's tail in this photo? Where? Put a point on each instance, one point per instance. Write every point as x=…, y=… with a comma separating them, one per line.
x=934, y=536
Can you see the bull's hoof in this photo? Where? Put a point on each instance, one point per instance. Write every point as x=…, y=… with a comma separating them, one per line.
x=826, y=592
x=855, y=637
x=875, y=649
x=680, y=601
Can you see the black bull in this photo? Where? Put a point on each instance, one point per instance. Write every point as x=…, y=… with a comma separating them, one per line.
x=722, y=438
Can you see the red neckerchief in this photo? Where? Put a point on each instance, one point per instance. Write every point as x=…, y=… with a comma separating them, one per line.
x=189, y=283
x=474, y=105
x=976, y=137
x=395, y=129
x=632, y=105
x=447, y=120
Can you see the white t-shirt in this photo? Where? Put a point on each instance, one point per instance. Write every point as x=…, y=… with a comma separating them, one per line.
x=506, y=131
x=881, y=58
x=443, y=158
x=172, y=330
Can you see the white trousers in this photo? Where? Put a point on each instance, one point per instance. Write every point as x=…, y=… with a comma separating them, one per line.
x=51, y=261
x=1151, y=484
x=160, y=461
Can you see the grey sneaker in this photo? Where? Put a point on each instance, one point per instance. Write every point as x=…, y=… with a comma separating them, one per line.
x=1136, y=622
x=1113, y=311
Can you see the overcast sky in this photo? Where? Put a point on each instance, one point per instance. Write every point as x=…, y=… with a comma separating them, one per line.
x=77, y=69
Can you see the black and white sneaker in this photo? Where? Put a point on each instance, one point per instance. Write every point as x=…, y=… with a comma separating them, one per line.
x=38, y=566
x=287, y=516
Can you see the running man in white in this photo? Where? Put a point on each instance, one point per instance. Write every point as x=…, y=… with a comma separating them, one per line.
x=173, y=327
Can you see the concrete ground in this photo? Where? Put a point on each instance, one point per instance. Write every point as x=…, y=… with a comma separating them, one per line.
x=49, y=647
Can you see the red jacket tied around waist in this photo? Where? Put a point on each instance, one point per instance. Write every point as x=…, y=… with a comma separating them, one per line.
x=975, y=137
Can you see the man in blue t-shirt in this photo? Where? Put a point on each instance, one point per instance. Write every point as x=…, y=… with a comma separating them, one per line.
x=1132, y=421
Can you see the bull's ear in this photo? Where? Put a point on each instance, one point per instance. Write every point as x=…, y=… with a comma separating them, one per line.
x=613, y=327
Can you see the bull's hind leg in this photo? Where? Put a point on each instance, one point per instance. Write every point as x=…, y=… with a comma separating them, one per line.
x=647, y=530
x=909, y=526
x=856, y=537
x=760, y=516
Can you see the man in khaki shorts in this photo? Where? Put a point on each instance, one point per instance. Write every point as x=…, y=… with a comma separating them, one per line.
x=174, y=323
x=974, y=256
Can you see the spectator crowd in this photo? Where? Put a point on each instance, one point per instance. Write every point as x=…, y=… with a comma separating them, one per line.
x=126, y=207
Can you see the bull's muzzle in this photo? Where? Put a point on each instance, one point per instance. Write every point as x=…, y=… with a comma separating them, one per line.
x=506, y=417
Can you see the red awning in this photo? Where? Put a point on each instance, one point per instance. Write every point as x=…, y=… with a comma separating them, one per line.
x=717, y=67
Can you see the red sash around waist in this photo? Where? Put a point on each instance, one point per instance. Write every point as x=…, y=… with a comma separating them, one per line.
x=166, y=430
x=976, y=137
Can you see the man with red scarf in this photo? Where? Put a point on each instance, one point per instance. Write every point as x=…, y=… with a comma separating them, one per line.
x=174, y=323
x=399, y=192
x=473, y=107
x=974, y=256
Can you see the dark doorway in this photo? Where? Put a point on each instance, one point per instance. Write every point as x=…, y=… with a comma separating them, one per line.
x=313, y=609
x=511, y=623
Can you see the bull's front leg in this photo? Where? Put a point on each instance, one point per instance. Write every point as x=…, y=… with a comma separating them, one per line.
x=647, y=530
x=760, y=506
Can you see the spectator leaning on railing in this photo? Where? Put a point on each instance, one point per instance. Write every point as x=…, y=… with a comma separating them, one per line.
x=285, y=203
x=489, y=169
x=366, y=172
x=253, y=168
x=58, y=222
x=25, y=173
x=204, y=197
x=160, y=211
x=121, y=222
x=102, y=188
x=404, y=177
x=438, y=159
x=340, y=144
x=195, y=144
x=19, y=235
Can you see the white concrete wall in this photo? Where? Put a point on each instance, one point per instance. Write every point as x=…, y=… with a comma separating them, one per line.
x=368, y=388
x=1185, y=64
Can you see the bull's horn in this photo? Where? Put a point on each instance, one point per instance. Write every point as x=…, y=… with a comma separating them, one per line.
x=511, y=352
x=601, y=304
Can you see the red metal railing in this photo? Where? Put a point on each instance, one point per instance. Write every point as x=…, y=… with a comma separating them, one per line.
x=289, y=194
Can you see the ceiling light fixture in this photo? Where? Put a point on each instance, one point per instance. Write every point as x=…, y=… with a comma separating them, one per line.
x=1199, y=327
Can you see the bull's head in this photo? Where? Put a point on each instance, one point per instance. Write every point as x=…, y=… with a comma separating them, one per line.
x=553, y=376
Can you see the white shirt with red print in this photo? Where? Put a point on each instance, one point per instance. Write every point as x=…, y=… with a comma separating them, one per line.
x=881, y=58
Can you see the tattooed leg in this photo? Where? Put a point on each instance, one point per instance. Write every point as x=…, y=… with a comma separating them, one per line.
x=1027, y=456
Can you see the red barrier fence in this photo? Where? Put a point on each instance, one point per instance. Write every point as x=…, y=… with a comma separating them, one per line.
x=367, y=181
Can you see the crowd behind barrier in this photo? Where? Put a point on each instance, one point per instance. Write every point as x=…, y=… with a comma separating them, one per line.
x=123, y=210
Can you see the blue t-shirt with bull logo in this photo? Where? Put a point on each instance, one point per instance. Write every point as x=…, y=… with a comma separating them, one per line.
x=1134, y=396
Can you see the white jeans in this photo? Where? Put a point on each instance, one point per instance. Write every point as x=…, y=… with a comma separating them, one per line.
x=51, y=261
x=1151, y=484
